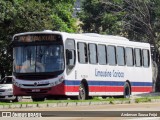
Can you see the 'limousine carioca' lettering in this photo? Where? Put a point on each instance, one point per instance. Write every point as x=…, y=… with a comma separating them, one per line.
x=113, y=73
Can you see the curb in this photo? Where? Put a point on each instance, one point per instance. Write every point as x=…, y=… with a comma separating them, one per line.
x=73, y=104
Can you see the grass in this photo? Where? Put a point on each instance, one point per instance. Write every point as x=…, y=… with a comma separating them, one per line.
x=144, y=99
x=154, y=97
x=94, y=99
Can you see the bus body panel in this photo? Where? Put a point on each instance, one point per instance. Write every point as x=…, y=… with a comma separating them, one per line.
x=113, y=83
x=101, y=79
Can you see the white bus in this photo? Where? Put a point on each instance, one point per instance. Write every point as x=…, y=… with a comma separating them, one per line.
x=53, y=63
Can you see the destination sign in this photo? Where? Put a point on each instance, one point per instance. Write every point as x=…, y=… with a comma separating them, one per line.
x=36, y=38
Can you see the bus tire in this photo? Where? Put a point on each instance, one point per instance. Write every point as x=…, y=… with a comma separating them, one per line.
x=17, y=99
x=127, y=90
x=83, y=95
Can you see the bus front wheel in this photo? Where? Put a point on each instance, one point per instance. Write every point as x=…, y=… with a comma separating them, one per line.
x=127, y=90
x=82, y=92
x=17, y=99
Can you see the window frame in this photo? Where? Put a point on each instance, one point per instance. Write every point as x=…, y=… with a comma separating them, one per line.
x=138, y=63
x=124, y=61
x=69, y=68
x=103, y=56
x=96, y=54
x=148, y=56
x=129, y=65
x=108, y=55
x=85, y=52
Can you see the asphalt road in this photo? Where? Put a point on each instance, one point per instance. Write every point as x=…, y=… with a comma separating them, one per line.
x=96, y=112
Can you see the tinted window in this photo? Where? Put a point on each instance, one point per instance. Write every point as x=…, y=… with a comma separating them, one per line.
x=38, y=58
x=70, y=54
x=120, y=56
x=93, y=53
x=82, y=52
x=138, y=59
x=111, y=53
x=129, y=56
x=146, y=58
x=102, y=54
x=6, y=80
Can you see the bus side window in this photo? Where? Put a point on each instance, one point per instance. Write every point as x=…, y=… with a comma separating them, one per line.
x=93, y=53
x=120, y=55
x=82, y=52
x=129, y=56
x=70, y=57
x=111, y=55
x=70, y=54
x=102, y=55
x=138, y=57
x=146, y=58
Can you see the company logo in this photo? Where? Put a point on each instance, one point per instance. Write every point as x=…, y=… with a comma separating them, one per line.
x=21, y=114
x=35, y=84
x=6, y=114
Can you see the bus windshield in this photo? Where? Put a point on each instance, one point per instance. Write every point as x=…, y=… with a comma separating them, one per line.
x=38, y=58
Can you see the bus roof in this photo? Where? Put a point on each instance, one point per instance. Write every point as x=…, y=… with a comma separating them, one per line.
x=106, y=36
x=75, y=34
x=89, y=37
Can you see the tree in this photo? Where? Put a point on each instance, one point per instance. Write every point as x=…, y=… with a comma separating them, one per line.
x=62, y=15
x=101, y=16
x=140, y=20
x=135, y=19
x=18, y=16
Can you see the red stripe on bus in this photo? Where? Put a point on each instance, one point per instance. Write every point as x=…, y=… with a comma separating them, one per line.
x=108, y=89
x=96, y=89
x=142, y=89
x=72, y=88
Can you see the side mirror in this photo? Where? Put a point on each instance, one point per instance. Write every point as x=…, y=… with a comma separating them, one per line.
x=69, y=54
x=70, y=57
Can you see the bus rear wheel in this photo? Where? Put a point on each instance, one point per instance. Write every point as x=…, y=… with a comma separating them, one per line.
x=82, y=92
x=127, y=90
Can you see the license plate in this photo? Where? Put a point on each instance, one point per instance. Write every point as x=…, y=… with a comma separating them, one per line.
x=36, y=90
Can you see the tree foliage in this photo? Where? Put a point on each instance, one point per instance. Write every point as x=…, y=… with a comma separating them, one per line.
x=62, y=15
x=139, y=20
x=101, y=16
x=136, y=19
x=18, y=16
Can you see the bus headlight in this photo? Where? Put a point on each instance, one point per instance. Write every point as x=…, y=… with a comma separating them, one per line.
x=56, y=83
x=52, y=84
x=14, y=82
x=17, y=84
x=61, y=79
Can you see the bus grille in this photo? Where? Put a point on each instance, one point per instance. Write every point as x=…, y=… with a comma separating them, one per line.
x=32, y=85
